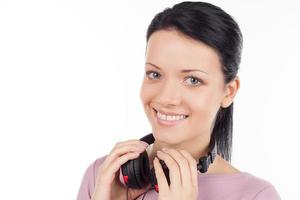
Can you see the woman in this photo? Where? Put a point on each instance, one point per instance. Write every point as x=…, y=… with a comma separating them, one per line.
x=192, y=59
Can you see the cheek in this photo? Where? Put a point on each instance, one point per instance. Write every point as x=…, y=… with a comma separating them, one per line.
x=204, y=107
x=147, y=93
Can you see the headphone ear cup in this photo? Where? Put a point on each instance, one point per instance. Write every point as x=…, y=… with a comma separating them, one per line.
x=128, y=175
x=142, y=170
x=136, y=172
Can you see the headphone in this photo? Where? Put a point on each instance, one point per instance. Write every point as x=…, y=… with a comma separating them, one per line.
x=137, y=173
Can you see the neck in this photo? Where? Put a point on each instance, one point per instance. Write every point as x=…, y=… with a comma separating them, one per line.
x=197, y=147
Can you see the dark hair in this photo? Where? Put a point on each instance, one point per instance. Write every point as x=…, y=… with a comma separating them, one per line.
x=214, y=27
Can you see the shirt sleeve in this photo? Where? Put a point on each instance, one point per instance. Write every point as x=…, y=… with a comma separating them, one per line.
x=268, y=193
x=87, y=183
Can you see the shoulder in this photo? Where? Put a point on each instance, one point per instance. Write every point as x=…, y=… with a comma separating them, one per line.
x=240, y=185
x=88, y=181
x=262, y=188
x=258, y=187
x=92, y=168
x=96, y=164
x=254, y=187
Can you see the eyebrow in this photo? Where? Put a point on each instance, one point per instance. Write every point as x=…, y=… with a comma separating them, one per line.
x=183, y=71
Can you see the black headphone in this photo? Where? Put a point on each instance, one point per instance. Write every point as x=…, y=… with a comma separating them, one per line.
x=137, y=173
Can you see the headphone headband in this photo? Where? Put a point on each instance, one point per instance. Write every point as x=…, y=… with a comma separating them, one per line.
x=149, y=139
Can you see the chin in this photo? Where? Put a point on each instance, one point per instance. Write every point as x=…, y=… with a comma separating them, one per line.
x=167, y=137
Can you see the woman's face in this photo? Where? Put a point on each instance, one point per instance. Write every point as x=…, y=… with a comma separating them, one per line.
x=169, y=89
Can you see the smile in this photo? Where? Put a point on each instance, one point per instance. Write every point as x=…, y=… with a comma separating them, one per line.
x=169, y=120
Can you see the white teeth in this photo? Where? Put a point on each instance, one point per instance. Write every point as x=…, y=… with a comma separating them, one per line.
x=170, y=117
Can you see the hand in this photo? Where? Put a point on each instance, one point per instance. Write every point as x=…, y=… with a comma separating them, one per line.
x=108, y=185
x=183, y=175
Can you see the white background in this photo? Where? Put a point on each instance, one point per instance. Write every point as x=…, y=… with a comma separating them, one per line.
x=70, y=75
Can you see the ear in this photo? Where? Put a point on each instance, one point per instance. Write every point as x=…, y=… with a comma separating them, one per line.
x=231, y=89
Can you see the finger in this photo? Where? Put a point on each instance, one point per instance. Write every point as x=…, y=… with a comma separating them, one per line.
x=193, y=167
x=174, y=171
x=121, y=150
x=133, y=141
x=185, y=171
x=160, y=176
x=108, y=174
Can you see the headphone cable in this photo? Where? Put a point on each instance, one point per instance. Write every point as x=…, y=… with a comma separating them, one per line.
x=145, y=194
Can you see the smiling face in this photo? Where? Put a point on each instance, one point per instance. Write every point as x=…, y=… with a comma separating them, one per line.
x=171, y=90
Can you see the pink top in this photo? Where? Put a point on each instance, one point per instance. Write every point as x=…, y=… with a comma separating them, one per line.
x=237, y=186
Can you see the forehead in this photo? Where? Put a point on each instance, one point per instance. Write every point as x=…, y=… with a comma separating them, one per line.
x=170, y=48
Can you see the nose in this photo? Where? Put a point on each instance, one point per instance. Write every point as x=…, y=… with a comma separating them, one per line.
x=169, y=94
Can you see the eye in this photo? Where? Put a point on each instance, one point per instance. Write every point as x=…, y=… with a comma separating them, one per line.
x=194, y=81
x=153, y=73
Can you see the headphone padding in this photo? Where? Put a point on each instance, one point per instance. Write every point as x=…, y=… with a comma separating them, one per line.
x=141, y=169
